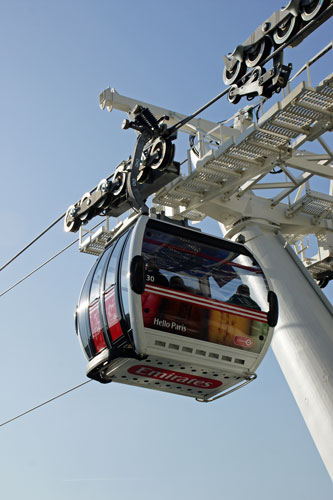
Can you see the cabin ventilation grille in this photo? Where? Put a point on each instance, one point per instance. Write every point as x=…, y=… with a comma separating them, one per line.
x=199, y=352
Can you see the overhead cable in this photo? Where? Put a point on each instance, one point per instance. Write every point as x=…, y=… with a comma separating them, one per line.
x=40, y=235
x=277, y=51
x=39, y=267
x=33, y=241
x=46, y=262
x=45, y=403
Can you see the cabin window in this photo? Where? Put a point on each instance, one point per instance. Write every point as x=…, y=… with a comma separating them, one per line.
x=201, y=268
x=204, y=288
x=82, y=317
x=95, y=319
x=96, y=283
x=124, y=282
x=111, y=273
x=110, y=296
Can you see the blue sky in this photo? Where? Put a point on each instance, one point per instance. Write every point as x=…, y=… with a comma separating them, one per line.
x=56, y=144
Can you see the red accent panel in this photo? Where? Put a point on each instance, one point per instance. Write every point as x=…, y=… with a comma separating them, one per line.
x=207, y=302
x=151, y=306
x=174, y=377
x=96, y=328
x=112, y=316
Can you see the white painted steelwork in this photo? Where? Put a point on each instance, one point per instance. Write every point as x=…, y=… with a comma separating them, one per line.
x=303, y=338
x=235, y=164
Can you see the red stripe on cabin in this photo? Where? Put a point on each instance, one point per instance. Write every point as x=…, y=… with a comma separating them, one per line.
x=208, y=303
x=112, y=316
x=96, y=328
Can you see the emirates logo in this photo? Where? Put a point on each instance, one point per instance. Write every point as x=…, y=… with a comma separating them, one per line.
x=243, y=341
x=175, y=377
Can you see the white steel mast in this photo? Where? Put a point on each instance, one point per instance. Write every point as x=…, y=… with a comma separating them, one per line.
x=303, y=337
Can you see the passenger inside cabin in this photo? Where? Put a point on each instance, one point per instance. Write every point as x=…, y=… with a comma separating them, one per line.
x=177, y=283
x=242, y=298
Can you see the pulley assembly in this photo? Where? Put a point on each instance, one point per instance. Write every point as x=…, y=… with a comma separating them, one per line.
x=151, y=167
x=244, y=67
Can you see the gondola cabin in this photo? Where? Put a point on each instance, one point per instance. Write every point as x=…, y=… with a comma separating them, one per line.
x=167, y=307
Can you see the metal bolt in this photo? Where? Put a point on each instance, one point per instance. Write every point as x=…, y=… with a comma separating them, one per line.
x=126, y=124
x=137, y=109
x=103, y=187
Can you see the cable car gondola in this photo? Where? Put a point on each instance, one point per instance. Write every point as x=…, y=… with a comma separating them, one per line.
x=167, y=307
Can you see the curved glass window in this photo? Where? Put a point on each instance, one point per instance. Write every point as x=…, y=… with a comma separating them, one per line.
x=94, y=306
x=82, y=317
x=111, y=273
x=124, y=278
x=111, y=309
x=203, y=287
x=96, y=282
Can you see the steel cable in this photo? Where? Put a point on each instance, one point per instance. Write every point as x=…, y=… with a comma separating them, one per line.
x=33, y=241
x=39, y=267
x=44, y=263
x=44, y=403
